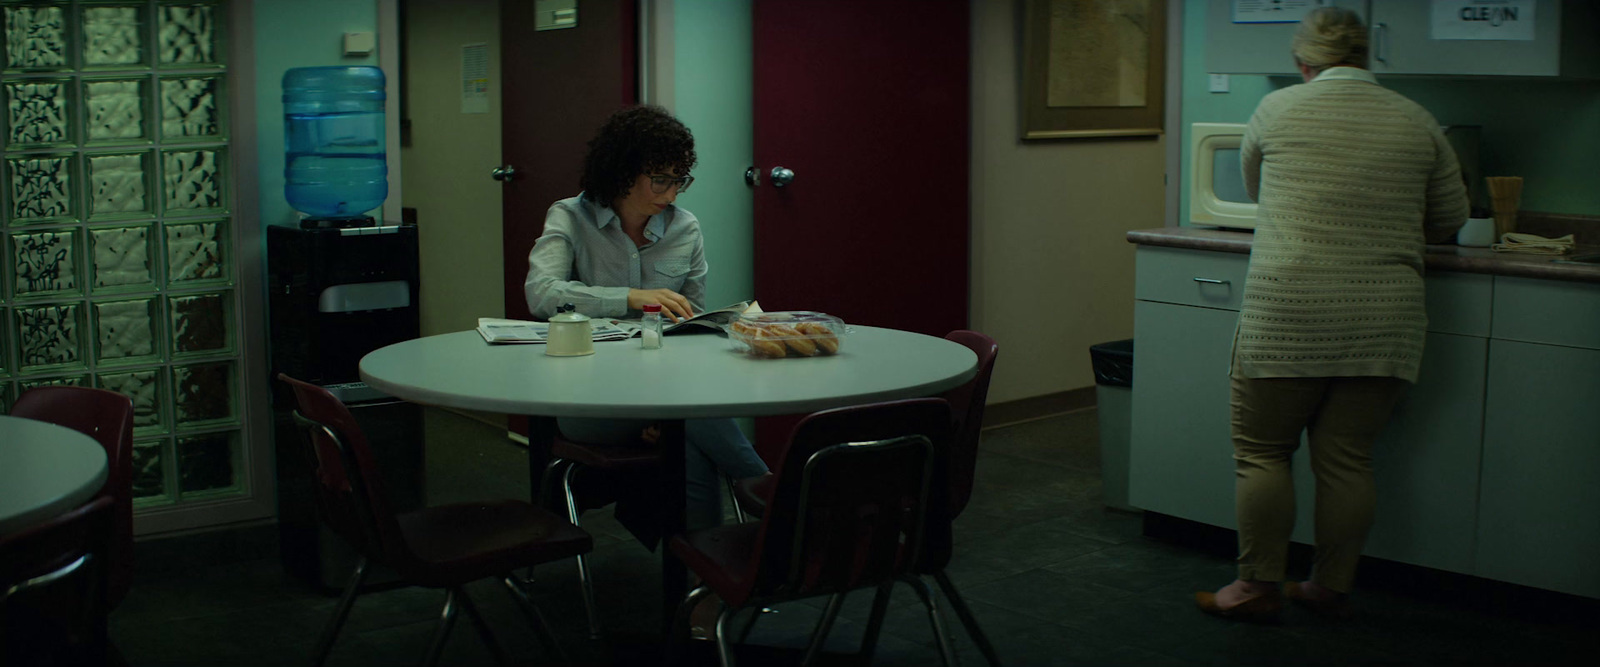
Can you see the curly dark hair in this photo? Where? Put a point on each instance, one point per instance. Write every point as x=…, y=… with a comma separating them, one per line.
x=636, y=140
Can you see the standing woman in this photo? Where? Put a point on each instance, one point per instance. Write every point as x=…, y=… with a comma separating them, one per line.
x=623, y=243
x=1352, y=180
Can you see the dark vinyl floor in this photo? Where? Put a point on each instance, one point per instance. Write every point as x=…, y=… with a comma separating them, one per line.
x=1054, y=578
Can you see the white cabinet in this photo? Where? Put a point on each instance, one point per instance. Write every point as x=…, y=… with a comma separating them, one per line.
x=1562, y=44
x=1402, y=42
x=1252, y=48
x=1426, y=462
x=1539, y=508
x=1490, y=465
x=1181, y=461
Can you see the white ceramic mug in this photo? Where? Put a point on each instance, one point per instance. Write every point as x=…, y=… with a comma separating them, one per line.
x=1477, y=233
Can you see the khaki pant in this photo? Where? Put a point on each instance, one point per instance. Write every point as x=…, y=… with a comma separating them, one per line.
x=1341, y=416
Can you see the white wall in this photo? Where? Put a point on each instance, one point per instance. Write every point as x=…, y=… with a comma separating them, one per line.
x=1051, y=271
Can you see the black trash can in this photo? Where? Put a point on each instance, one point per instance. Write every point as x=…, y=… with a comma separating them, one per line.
x=1113, y=379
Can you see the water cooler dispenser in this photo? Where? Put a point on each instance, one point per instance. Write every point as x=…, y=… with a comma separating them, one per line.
x=339, y=285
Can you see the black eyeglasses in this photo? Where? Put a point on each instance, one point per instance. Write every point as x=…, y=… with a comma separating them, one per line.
x=660, y=182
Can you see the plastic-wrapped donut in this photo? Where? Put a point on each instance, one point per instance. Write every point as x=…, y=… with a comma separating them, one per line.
x=820, y=335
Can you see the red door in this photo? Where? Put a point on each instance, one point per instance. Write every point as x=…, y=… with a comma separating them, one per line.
x=867, y=104
x=560, y=85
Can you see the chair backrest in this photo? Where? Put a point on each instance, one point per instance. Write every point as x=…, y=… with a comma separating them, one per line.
x=856, y=485
x=967, y=403
x=106, y=416
x=347, y=488
x=53, y=588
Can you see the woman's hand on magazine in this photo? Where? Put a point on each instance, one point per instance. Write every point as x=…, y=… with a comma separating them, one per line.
x=673, y=304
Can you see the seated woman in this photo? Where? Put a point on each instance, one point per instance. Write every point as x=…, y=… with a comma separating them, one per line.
x=623, y=243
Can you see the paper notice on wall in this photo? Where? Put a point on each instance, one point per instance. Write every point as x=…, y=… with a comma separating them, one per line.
x=1507, y=20
x=1273, y=11
x=475, y=78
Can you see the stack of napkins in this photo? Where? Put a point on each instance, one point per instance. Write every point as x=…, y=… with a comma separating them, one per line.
x=1536, y=245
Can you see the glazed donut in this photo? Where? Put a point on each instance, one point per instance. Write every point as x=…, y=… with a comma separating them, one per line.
x=821, y=335
x=794, y=339
x=762, y=345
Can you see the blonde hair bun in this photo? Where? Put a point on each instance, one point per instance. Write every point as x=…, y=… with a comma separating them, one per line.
x=1330, y=36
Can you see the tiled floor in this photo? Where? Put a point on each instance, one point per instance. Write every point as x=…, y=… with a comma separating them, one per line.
x=1054, y=578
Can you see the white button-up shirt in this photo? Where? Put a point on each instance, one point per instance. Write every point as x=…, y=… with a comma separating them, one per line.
x=585, y=259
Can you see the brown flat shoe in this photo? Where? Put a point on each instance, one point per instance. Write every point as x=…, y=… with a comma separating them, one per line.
x=1265, y=608
x=1337, y=607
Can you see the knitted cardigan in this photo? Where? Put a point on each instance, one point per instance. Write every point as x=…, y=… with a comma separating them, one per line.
x=1352, y=180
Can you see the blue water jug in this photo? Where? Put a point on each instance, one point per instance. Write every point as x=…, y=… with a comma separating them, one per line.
x=333, y=139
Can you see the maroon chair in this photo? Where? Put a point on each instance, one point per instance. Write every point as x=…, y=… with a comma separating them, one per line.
x=967, y=405
x=859, y=492
x=447, y=546
x=106, y=416
x=570, y=457
x=567, y=459
x=53, y=603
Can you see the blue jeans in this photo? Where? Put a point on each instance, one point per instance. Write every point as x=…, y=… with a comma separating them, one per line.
x=713, y=447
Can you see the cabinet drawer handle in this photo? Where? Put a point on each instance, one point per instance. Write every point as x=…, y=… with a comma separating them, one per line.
x=1212, y=281
x=1381, y=42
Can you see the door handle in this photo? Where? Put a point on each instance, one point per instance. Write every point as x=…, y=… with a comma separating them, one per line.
x=1380, y=42
x=1211, y=281
x=503, y=173
x=781, y=176
x=752, y=177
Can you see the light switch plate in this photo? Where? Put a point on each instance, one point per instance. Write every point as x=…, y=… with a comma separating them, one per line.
x=359, y=43
x=555, y=14
x=1219, y=83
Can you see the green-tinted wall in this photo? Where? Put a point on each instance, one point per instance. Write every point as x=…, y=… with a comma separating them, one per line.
x=713, y=84
x=288, y=34
x=1547, y=132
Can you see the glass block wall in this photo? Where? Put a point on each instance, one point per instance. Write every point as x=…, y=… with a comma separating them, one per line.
x=118, y=241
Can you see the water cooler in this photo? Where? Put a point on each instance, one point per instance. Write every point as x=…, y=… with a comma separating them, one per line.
x=339, y=285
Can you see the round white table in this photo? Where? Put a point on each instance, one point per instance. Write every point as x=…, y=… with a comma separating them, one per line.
x=45, y=470
x=693, y=376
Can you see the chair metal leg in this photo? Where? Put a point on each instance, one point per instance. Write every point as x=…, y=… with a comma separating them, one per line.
x=678, y=633
x=946, y=654
x=733, y=497
x=447, y=618
x=819, y=636
x=584, y=579
x=330, y=632
x=968, y=621
x=541, y=629
x=499, y=652
x=880, y=608
x=547, y=487
x=724, y=649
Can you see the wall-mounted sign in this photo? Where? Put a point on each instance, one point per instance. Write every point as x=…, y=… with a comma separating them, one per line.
x=1273, y=11
x=1506, y=20
x=474, y=78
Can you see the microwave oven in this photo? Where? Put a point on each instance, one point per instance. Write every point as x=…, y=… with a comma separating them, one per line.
x=1216, y=178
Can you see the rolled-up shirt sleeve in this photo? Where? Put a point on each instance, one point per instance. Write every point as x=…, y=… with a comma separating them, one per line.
x=550, y=281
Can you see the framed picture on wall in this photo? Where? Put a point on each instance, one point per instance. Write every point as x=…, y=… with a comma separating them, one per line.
x=1093, y=68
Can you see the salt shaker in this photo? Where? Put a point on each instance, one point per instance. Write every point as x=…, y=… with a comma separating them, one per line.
x=650, y=336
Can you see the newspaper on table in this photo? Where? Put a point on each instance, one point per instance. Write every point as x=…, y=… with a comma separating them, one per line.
x=496, y=331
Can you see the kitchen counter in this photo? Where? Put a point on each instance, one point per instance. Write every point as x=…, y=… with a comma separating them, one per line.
x=1438, y=257
x=1512, y=366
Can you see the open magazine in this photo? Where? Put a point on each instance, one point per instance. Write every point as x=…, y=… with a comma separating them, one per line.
x=497, y=331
